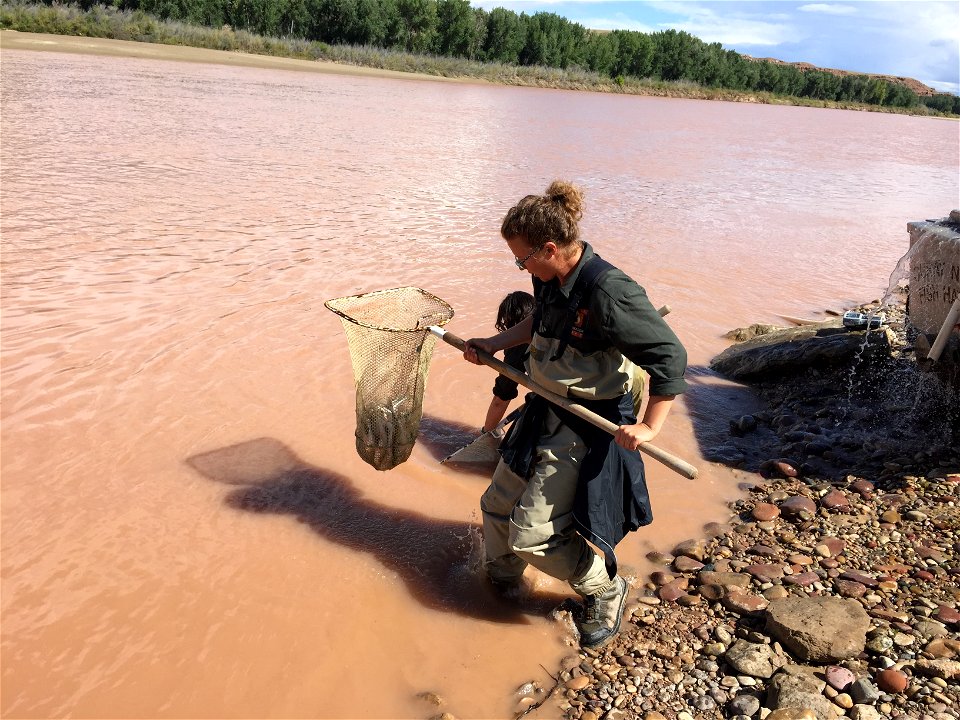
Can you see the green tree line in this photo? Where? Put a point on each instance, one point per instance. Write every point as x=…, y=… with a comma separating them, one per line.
x=454, y=28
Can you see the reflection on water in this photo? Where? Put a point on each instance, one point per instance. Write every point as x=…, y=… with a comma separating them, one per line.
x=170, y=232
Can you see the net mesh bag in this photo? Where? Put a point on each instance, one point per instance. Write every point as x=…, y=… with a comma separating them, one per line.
x=390, y=350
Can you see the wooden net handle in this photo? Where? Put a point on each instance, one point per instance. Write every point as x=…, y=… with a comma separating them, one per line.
x=671, y=461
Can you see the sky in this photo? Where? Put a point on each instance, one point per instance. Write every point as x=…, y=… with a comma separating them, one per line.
x=908, y=38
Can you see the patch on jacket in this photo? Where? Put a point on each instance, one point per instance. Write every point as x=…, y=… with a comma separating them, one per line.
x=579, y=324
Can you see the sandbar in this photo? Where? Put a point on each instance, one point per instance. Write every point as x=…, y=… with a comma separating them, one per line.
x=14, y=40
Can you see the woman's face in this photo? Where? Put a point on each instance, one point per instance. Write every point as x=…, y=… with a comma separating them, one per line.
x=535, y=260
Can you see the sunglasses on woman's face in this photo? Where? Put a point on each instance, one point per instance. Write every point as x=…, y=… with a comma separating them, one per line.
x=521, y=263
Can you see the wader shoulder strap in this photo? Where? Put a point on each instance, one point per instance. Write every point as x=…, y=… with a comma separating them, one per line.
x=590, y=273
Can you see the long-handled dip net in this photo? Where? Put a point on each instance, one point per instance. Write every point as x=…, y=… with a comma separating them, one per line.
x=391, y=334
x=390, y=349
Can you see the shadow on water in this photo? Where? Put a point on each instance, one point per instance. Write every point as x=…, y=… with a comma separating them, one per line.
x=433, y=558
x=442, y=437
x=712, y=401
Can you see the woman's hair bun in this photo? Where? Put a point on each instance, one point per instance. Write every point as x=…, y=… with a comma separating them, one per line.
x=568, y=195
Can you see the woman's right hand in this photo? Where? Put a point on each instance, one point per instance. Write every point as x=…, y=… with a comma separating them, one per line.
x=472, y=345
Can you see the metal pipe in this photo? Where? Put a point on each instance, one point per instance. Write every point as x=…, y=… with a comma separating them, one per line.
x=953, y=315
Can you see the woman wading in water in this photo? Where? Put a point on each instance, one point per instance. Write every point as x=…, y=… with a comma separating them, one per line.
x=560, y=481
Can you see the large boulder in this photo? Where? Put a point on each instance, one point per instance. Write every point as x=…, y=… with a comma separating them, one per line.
x=819, y=629
x=793, y=350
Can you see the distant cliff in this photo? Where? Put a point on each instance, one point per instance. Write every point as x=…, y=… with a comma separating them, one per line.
x=915, y=85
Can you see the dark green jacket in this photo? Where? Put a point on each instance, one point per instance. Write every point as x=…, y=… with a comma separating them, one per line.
x=618, y=321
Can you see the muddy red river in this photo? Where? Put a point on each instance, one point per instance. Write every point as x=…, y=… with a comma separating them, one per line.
x=187, y=530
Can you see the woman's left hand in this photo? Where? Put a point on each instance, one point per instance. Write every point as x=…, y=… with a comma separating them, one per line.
x=630, y=436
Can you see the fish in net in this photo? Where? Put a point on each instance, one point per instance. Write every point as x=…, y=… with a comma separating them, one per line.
x=390, y=350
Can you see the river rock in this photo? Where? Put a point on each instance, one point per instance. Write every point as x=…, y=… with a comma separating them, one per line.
x=862, y=487
x=685, y=564
x=804, y=579
x=892, y=681
x=799, y=506
x=929, y=629
x=930, y=554
x=659, y=558
x=797, y=686
x=785, y=468
x=818, y=629
x=829, y=547
x=777, y=592
x=859, y=577
x=710, y=577
x=879, y=644
x=672, y=590
x=661, y=577
x=712, y=592
x=716, y=529
x=863, y=691
x=792, y=350
x=843, y=700
x=839, y=677
x=792, y=714
x=763, y=550
x=695, y=548
x=753, y=659
x=744, y=603
x=943, y=648
x=947, y=615
x=850, y=589
x=835, y=500
x=939, y=667
x=765, y=512
x=748, y=705
x=865, y=712
x=765, y=572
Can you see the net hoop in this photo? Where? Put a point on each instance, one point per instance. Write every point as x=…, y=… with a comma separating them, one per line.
x=340, y=305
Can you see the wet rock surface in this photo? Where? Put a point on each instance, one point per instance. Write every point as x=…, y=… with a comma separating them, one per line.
x=784, y=350
x=831, y=591
x=871, y=413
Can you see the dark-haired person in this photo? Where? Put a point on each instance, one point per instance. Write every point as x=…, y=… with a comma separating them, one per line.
x=514, y=308
x=560, y=481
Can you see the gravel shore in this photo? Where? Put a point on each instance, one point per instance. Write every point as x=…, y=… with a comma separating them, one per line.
x=697, y=639
x=833, y=588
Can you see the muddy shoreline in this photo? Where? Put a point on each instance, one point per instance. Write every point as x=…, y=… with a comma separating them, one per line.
x=14, y=40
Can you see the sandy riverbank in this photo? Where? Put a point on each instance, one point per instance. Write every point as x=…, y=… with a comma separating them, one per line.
x=13, y=40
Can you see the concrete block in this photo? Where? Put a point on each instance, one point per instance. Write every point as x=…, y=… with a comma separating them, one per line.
x=934, y=271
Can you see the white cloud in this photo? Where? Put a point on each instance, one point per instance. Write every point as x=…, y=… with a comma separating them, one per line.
x=736, y=31
x=828, y=9
x=618, y=21
x=922, y=40
x=733, y=29
x=943, y=86
x=728, y=23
